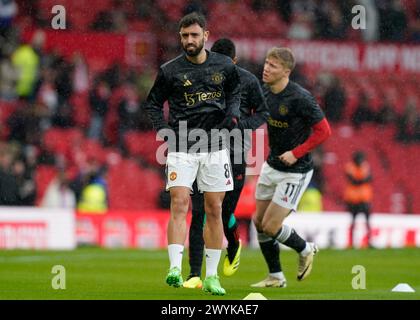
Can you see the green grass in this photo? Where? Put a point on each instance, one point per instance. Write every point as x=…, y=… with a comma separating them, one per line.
x=93, y=273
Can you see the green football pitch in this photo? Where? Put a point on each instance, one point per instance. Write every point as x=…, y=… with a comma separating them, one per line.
x=93, y=273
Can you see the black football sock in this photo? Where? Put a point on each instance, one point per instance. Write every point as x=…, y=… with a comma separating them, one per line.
x=290, y=238
x=271, y=252
x=232, y=236
x=196, y=246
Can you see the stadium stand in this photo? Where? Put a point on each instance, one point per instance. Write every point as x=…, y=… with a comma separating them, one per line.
x=133, y=174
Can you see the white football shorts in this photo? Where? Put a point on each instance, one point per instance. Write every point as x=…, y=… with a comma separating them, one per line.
x=212, y=171
x=283, y=188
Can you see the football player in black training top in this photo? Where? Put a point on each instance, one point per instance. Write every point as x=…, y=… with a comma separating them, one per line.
x=296, y=125
x=254, y=113
x=203, y=92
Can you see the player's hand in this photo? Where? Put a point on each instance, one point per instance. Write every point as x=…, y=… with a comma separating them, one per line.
x=288, y=158
x=229, y=123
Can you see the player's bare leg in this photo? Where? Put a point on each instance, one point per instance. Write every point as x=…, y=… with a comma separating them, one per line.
x=213, y=239
x=177, y=227
x=177, y=231
x=273, y=218
x=261, y=207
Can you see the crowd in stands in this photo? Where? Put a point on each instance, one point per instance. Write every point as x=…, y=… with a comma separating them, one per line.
x=334, y=100
x=387, y=20
x=39, y=90
x=37, y=94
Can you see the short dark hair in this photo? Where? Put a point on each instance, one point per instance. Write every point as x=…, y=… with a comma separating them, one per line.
x=192, y=18
x=225, y=46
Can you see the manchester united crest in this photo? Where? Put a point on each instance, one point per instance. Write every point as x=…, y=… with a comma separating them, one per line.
x=217, y=78
x=172, y=176
x=283, y=110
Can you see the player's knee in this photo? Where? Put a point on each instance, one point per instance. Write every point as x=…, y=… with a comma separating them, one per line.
x=180, y=203
x=269, y=228
x=213, y=208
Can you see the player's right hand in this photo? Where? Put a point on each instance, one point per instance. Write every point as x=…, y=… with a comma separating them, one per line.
x=288, y=158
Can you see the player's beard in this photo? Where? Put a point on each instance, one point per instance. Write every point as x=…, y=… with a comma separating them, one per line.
x=192, y=50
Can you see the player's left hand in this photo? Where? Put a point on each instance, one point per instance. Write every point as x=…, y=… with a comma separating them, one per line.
x=288, y=158
x=229, y=122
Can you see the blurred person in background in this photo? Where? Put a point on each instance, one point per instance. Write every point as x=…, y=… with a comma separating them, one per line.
x=91, y=188
x=47, y=94
x=144, y=82
x=301, y=27
x=364, y=112
x=26, y=183
x=358, y=193
x=26, y=60
x=311, y=200
x=63, y=78
x=408, y=124
x=102, y=22
x=414, y=24
x=119, y=17
x=9, y=188
x=24, y=124
x=386, y=114
x=330, y=21
x=8, y=75
x=195, y=6
x=59, y=194
x=371, y=32
x=99, y=105
x=113, y=76
x=334, y=100
x=8, y=10
x=131, y=115
x=393, y=22
x=63, y=116
x=80, y=74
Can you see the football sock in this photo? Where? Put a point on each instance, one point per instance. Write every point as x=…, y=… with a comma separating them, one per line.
x=278, y=275
x=307, y=250
x=231, y=231
x=271, y=252
x=212, y=261
x=196, y=244
x=232, y=235
x=290, y=238
x=175, y=255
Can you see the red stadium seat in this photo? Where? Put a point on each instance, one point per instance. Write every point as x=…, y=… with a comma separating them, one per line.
x=132, y=187
x=81, y=110
x=144, y=145
x=94, y=150
x=6, y=110
x=58, y=140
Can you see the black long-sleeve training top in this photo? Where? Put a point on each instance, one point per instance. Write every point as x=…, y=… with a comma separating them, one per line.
x=202, y=95
x=254, y=109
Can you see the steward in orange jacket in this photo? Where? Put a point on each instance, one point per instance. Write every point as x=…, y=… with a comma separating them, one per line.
x=358, y=192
